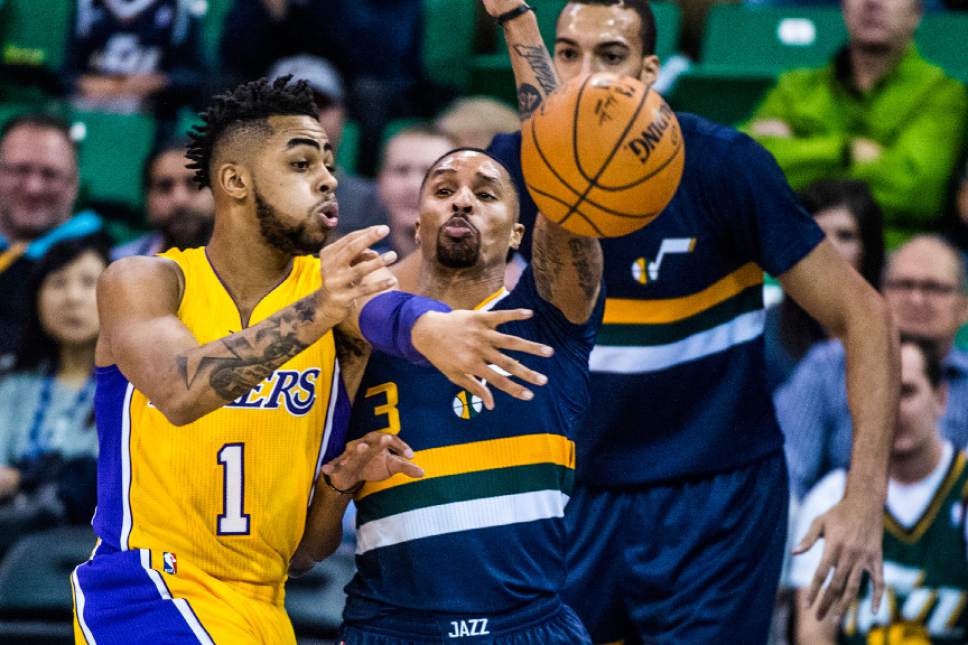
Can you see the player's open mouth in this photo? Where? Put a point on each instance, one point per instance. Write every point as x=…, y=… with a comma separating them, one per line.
x=329, y=213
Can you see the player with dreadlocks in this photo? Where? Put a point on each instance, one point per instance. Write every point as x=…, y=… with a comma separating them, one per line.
x=219, y=399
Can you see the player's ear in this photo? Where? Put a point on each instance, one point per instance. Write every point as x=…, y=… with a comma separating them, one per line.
x=233, y=180
x=517, y=234
x=650, y=70
x=416, y=232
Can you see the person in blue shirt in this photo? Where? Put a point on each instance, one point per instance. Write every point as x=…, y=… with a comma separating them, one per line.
x=678, y=520
x=476, y=549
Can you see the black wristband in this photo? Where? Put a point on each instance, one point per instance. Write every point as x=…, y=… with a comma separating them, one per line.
x=348, y=491
x=513, y=13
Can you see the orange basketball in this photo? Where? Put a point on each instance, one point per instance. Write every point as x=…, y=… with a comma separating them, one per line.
x=602, y=156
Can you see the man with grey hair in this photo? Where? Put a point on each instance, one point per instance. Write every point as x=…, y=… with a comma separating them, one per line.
x=924, y=286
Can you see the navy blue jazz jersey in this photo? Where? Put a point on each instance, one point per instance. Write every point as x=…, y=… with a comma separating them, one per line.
x=678, y=385
x=483, y=530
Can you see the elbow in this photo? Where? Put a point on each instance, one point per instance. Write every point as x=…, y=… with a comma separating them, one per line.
x=178, y=412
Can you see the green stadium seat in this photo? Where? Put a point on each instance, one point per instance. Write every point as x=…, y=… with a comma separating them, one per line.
x=113, y=148
x=448, y=40
x=212, y=27
x=941, y=38
x=770, y=40
x=725, y=97
x=349, y=147
x=35, y=32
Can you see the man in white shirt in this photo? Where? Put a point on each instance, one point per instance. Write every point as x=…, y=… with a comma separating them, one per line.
x=925, y=532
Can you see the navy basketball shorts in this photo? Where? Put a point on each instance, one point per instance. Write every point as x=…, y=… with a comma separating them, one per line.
x=545, y=623
x=692, y=562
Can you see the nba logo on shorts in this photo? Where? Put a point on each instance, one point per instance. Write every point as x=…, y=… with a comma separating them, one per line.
x=171, y=563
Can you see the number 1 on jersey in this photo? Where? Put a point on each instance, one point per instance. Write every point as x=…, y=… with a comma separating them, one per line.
x=233, y=520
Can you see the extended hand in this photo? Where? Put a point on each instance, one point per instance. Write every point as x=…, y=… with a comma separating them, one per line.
x=464, y=344
x=852, y=534
x=374, y=457
x=349, y=270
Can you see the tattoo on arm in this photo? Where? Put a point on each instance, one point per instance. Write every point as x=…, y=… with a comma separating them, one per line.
x=582, y=254
x=529, y=98
x=546, y=265
x=537, y=58
x=245, y=359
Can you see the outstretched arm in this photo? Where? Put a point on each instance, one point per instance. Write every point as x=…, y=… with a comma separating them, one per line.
x=852, y=530
x=533, y=72
x=567, y=267
x=138, y=302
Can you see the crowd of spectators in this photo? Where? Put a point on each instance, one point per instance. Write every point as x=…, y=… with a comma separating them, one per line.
x=874, y=143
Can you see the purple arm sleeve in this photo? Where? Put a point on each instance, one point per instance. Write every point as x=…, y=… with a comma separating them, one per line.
x=388, y=319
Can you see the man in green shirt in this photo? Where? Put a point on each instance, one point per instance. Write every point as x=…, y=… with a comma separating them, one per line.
x=877, y=112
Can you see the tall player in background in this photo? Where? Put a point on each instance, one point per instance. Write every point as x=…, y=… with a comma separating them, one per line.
x=678, y=520
x=218, y=390
x=477, y=548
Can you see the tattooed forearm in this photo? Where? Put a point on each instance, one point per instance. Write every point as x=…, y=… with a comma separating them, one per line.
x=586, y=258
x=353, y=353
x=537, y=58
x=237, y=363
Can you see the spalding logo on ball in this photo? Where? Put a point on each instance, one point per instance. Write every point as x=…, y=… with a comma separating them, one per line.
x=602, y=156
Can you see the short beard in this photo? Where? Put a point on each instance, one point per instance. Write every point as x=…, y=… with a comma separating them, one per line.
x=293, y=240
x=462, y=255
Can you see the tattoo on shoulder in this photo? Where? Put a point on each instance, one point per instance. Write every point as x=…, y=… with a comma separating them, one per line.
x=537, y=58
x=529, y=98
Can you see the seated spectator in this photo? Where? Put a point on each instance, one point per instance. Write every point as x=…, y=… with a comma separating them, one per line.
x=122, y=54
x=407, y=156
x=924, y=286
x=179, y=212
x=851, y=219
x=925, y=528
x=38, y=188
x=878, y=112
x=48, y=441
x=359, y=206
x=473, y=121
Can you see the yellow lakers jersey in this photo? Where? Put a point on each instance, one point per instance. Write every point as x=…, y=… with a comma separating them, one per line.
x=228, y=492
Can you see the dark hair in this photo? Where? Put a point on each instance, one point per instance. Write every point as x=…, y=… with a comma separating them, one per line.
x=247, y=104
x=40, y=121
x=647, y=30
x=35, y=348
x=172, y=144
x=856, y=197
x=798, y=330
x=933, y=367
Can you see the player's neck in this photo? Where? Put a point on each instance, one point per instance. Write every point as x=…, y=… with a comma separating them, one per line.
x=459, y=288
x=918, y=465
x=247, y=266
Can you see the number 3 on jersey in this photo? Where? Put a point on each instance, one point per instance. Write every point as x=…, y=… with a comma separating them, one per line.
x=233, y=520
x=389, y=409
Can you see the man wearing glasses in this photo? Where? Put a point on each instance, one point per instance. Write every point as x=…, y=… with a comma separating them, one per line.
x=925, y=287
x=38, y=188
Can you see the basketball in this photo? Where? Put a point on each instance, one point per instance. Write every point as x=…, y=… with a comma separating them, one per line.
x=602, y=156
